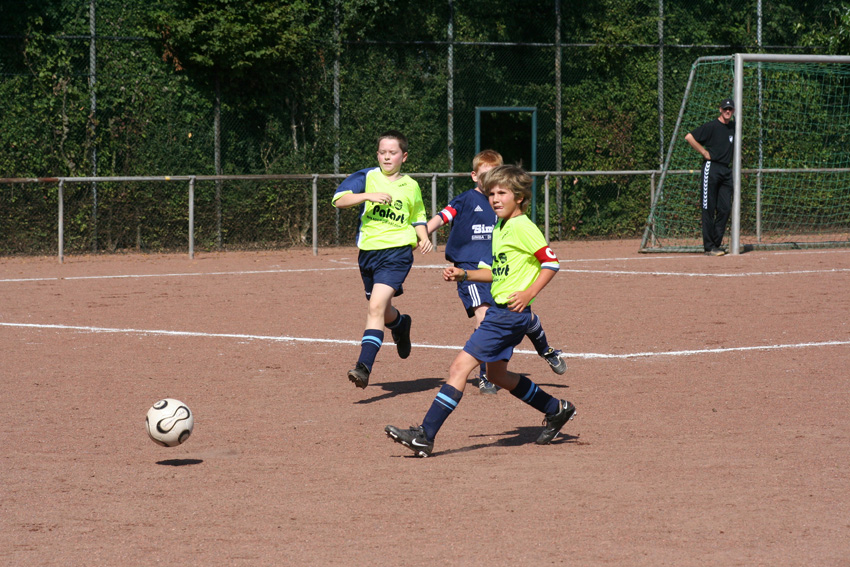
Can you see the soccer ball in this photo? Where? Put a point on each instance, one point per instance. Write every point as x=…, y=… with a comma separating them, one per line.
x=169, y=422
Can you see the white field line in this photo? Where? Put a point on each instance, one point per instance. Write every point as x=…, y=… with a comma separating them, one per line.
x=272, y=338
x=177, y=275
x=351, y=264
x=436, y=266
x=704, y=275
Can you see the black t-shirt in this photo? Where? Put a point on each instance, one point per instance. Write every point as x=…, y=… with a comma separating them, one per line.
x=717, y=138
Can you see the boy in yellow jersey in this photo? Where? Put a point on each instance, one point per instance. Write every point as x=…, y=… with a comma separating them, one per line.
x=522, y=265
x=472, y=221
x=392, y=223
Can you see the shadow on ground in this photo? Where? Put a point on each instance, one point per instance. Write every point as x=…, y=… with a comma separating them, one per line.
x=180, y=462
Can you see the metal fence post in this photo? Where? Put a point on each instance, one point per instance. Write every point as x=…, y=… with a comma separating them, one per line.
x=61, y=221
x=315, y=215
x=434, y=208
x=652, y=200
x=192, y=218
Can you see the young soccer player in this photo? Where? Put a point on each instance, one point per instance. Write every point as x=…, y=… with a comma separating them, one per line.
x=392, y=223
x=522, y=265
x=472, y=220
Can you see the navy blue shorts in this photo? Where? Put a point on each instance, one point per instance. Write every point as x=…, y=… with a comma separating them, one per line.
x=474, y=294
x=500, y=331
x=389, y=266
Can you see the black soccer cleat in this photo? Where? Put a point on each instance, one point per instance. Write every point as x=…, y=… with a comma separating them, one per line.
x=359, y=375
x=401, y=336
x=553, y=357
x=412, y=438
x=554, y=422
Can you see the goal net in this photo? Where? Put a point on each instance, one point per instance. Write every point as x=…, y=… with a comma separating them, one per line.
x=792, y=170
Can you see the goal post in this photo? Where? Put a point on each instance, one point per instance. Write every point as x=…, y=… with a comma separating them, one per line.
x=791, y=165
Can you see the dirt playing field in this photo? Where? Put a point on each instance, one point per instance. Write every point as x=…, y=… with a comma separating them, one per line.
x=713, y=398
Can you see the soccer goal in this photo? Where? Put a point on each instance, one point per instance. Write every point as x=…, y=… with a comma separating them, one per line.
x=792, y=155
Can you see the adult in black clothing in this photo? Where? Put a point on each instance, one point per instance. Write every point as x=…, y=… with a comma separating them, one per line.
x=715, y=141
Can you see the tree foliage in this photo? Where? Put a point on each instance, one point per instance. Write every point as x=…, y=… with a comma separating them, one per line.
x=247, y=41
x=833, y=32
x=160, y=63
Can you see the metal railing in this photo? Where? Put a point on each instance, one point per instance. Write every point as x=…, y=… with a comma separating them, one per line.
x=191, y=180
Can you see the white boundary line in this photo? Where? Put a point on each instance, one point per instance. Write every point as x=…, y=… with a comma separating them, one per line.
x=196, y=274
x=178, y=275
x=272, y=338
x=351, y=264
x=432, y=266
x=705, y=275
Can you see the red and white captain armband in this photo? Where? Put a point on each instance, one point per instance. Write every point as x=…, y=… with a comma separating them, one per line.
x=547, y=258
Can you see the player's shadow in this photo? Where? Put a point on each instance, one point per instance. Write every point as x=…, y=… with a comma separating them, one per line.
x=515, y=438
x=400, y=387
x=180, y=462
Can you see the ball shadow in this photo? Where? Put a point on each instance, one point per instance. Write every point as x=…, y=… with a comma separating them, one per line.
x=180, y=462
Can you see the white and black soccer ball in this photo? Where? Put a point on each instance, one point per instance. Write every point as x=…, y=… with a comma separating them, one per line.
x=169, y=422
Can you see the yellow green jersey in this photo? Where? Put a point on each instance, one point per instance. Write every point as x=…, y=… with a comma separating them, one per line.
x=385, y=225
x=519, y=253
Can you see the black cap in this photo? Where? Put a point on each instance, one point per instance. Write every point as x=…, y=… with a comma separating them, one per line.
x=727, y=103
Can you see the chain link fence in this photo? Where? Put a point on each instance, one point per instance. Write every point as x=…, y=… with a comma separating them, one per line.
x=214, y=213
x=553, y=90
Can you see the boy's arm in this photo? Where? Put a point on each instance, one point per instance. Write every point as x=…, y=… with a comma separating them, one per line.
x=435, y=223
x=446, y=216
x=425, y=245
x=519, y=300
x=352, y=191
x=454, y=274
x=549, y=265
x=353, y=199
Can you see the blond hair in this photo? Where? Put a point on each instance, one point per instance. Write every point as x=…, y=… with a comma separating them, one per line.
x=511, y=177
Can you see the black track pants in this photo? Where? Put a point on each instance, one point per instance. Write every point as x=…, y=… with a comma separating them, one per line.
x=716, y=203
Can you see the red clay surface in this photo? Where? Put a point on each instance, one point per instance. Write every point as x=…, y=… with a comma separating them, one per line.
x=712, y=424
